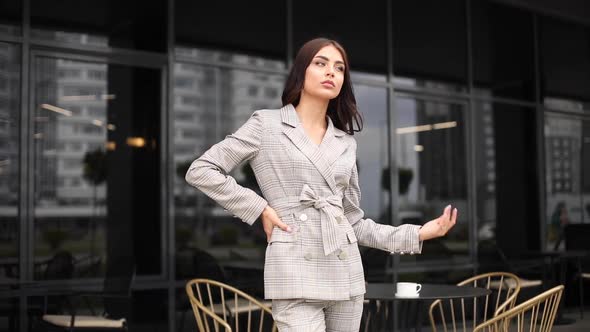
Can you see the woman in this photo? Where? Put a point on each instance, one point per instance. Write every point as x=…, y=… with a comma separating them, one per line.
x=304, y=159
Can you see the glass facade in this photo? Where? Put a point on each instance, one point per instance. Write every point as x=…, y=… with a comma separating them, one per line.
x=98, y=25
x=11, y=18
x=95, y=163
x=103, y=106
x=430, y=55
x=567, y=163
x=10, y=90
x=503, y=51
x=210, y=102
x=431, y=158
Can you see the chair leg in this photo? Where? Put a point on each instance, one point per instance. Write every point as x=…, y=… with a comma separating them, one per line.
x=581, y=296
x=181, y=327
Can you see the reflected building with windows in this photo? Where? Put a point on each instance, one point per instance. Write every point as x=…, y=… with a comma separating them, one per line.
x=9, y=133
x=483, y=104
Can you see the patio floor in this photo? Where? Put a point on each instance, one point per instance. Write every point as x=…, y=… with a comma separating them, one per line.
x=580, y=325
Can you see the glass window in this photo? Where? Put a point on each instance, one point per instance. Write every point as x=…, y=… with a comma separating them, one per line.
x=506, y=179
x=431, y=158
x=564, y=73
x=585, y=167
x=94, y=24
x=97, y=187
x=210, y=242
x=366, y=53
x=373, y=167
x=258, y=29
x=11, y=17
x=429, y=43
x=485, y=158
x=9, y=162
x=564, y=144
x=503, y=62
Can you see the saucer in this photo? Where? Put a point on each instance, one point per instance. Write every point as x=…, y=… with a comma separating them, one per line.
x=412, y=296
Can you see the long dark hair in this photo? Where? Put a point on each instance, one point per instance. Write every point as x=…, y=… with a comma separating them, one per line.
x=342, y=109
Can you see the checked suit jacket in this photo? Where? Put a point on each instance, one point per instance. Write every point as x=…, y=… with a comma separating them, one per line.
x=314, y=189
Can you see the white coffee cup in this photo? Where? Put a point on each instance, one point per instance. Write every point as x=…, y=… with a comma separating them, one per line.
x=408, y=289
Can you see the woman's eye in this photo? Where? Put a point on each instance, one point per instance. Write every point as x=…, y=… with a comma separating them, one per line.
x=340, y=69
x=319, y=63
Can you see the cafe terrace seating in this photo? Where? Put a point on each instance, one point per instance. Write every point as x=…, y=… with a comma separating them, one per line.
x=218, y=306
x=465, y=314
x=535, y=314
x=116, y=288
x=577, y=239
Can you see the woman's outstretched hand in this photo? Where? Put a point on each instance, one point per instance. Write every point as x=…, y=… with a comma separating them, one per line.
x=270, y=219
x=439, y=226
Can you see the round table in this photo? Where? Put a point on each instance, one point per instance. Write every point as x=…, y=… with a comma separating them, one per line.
x=386, y=292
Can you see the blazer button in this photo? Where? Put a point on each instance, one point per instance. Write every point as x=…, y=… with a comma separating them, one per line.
x=308, y=256
x=303, y=217
x=342, y=255
x=339, y=219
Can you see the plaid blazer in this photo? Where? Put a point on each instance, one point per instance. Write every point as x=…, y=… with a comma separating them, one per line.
x=314, y=190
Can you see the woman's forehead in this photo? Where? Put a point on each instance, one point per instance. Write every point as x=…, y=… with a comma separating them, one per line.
x=330, y=52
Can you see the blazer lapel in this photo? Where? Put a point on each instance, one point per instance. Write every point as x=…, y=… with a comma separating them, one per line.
x=295, y=132
x=333, y=145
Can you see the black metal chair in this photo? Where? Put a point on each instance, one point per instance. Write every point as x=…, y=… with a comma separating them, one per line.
x=204, y=265
x=115, y=294
x=532, y=271
x=576, y=239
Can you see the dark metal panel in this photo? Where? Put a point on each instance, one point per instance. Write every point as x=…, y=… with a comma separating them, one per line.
x=470, y=136
x=167, y=165
x=540, y=126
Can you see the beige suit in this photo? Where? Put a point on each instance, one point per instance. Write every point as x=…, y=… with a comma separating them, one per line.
x=315, y=190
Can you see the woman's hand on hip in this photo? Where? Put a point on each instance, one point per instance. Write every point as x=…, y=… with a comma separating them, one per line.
x=439, y=226
x=270, y=219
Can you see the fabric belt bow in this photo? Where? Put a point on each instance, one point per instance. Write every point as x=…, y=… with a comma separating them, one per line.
x=329, y=207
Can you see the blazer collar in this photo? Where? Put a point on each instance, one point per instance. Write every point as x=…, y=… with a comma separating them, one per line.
x=322, y=156
x=289, y=116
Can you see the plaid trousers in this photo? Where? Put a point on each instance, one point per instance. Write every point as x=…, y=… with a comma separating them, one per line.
x=301, y=315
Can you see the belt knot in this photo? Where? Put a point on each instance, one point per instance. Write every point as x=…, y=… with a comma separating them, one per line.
x=329, y=207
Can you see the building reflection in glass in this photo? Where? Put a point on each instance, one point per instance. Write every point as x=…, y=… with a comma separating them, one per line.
x=564, y=185
x=70, y=132
x=431, y=157
x=9, y=159
x=210, y=102
x=95, y=167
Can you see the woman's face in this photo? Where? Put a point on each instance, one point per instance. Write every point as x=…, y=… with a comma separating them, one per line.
x=325, y=74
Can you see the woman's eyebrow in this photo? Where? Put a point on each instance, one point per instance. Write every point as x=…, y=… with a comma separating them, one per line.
x=326, y=58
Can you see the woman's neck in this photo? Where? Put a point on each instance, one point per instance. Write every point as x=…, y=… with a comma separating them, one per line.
x=312, y=112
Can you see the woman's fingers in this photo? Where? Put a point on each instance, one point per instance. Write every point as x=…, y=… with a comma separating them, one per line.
x=282, y=225
x=447, y=220
x=270, y=219
x=454, y=217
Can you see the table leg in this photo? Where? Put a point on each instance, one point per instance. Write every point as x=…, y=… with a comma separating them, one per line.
x=419, y=316
x=559, y=319
x=580, y=285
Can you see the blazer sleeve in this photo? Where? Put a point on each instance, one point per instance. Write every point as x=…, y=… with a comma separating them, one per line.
x=209, y=173
x=401, y=239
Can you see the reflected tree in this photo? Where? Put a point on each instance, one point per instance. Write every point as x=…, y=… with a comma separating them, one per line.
x=405, y=176
x=95, y=172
